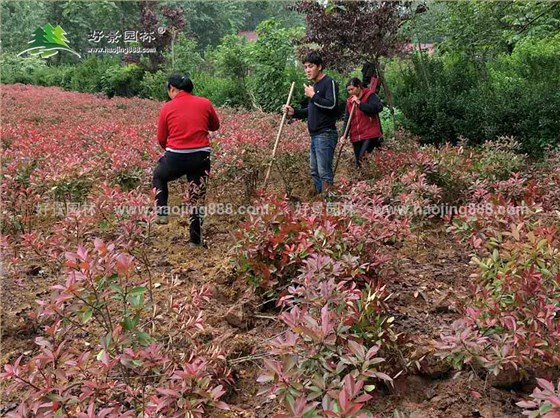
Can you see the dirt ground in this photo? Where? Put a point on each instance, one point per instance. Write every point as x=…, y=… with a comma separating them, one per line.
x=429, y=286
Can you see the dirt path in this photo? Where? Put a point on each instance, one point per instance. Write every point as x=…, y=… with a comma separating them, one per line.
x=236, y=323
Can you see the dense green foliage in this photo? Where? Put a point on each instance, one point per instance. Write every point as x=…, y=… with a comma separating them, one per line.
x=483, y=29
x=445, y=97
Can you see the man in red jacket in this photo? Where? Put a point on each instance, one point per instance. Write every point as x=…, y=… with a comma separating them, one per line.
x=183, y=127
x=365, y=129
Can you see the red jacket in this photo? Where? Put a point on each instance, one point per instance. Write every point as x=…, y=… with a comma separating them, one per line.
x=185, y=120
x=365, y=123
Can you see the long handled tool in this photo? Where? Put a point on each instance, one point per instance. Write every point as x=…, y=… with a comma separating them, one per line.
x=279, y=134
x=346, y=131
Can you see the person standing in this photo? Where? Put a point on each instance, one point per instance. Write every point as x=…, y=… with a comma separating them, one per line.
x=365, y=127
x=183, y=132
x=321, y=113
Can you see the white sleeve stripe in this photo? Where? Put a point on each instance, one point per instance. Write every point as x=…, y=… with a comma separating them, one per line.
x=334, y=97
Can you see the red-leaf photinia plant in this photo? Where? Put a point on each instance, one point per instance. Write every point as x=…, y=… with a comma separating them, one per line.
x=78, y=222
x=512, y=321
x=96, y=357
x=546, y=400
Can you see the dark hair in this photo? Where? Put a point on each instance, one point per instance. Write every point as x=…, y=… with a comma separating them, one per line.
x=181, y=82
x=355, y=82
x=313, y=57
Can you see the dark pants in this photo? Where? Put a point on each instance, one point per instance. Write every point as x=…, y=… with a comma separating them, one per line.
x=196, y=167
x=364, y=147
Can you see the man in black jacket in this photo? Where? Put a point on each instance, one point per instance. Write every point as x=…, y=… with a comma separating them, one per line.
x=321, y=114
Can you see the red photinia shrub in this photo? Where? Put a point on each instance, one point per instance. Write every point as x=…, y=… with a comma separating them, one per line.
x=548, y=179
x=328, y=360
x=97, y=357
x=93, y=175
x=412, y=194
x=453, y=169
x=125, y=217
x=71, y=157
x=514, y=321
x=546, y=400
x=105, y=351
x=65, y=150
x=273, y=245
x=242, y=153
x=491, y=211
x=498, y=159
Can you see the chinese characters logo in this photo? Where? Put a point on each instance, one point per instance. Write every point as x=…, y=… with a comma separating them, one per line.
x=114, y=37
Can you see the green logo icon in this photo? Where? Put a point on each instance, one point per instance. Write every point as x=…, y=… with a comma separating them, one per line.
x=47, y=41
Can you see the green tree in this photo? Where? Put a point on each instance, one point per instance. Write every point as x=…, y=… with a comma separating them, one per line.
x=229, y=61
x=282, y=12
x=273, y=64
x=19, y=20
x=185, y=56
x=209, y=22
x=230, y=57
x=80, y=18
x=483, y=29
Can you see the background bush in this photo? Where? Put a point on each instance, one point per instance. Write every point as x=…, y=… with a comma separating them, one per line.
x=14, y=69
x=122, y=80
x=274, y=66
x=447, y=97
x=87, y=76
x=153, y=85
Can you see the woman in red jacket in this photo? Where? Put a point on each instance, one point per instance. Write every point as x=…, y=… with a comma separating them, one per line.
x=365, y=127
x=183, y=126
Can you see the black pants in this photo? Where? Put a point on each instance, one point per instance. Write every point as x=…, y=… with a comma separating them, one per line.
x=196, y=167
x=365, y=146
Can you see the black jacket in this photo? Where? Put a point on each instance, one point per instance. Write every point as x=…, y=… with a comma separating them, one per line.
x=321, y=109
